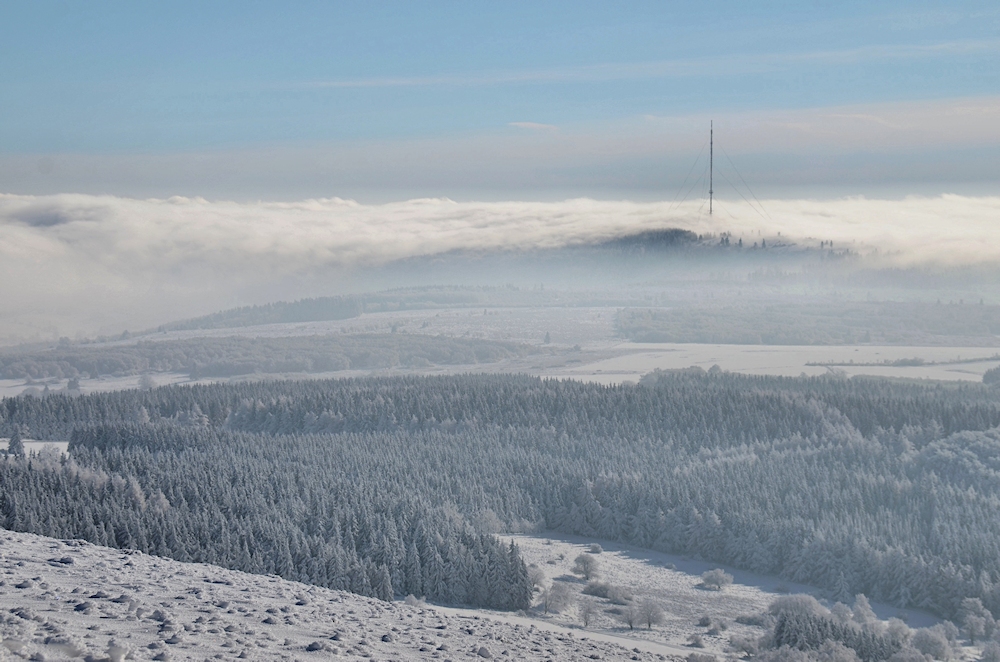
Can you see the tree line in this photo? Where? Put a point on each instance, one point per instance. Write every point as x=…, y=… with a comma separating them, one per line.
x=245, y=355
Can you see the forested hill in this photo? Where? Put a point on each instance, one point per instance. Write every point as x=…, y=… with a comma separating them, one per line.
x=705, y=409
x=414, y=298
x=861, y=485
x=240, y=355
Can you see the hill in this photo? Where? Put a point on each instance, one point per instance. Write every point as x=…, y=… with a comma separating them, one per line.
x=73, y=599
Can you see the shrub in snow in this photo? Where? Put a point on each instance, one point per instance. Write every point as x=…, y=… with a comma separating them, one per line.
x=760, y=620
x=556, y=597
x=899, y=630
x=700, y=657
x=862, y=611
x=908, y=654
x=414, y=601
x=991, y=652
x=595, y=548
x=784, y=654
x=799, y=603
x=950, y=631
x=614, y=594
x=834, y=651
x=841, y=612
x=588, y=611
x=932, y=641
x=716, y=579
x=746, y=645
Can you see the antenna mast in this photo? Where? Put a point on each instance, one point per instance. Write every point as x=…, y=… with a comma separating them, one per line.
x=711, y=150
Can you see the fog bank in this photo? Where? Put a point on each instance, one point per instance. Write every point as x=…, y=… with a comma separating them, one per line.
x=70, y=262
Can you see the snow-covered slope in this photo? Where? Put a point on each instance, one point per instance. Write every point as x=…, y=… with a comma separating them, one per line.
x=71, y=599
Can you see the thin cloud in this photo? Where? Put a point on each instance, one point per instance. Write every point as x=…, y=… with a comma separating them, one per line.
x=725, y=65
x=534, y=126
x=854, y=149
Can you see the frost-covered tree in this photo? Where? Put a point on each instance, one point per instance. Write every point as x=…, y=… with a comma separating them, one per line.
x=862, y=611
x=588, y=611
x=932, y=642
x=991, y=652
x=977, y=621
x=630, y=615
x=716, y=579
x=556, y=597
x=15, y=446
x=585, y=565
x=650, y=613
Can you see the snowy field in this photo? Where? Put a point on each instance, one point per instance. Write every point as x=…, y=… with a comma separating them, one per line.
x=674, y=583
x=566, y=325
x=632, y=360
x=70, y=599
x=608, y=362
x=34, y=446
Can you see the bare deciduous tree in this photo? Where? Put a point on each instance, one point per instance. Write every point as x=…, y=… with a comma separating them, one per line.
x=555, y=597
x=630, y=616
x=588, y=611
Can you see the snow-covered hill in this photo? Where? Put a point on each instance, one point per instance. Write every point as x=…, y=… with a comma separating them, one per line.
x=72, y=599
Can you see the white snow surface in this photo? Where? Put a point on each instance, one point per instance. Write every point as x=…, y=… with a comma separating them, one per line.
x=72, y=599
x=615, y=362
x=36, y=446
x=674, y=583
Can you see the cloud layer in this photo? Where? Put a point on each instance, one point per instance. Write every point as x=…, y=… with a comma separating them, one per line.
x=927, y=147
x=86, y=262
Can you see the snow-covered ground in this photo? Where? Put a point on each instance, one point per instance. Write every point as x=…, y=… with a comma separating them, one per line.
x=70, y=599
x=674, y=583
x=612, y=362
x=632, y=360
x=33, y=446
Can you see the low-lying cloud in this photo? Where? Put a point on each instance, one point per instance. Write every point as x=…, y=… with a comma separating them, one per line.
x=72, y=262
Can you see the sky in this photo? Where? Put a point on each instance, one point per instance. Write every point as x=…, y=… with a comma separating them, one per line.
x=163, y=160
x=534, y=100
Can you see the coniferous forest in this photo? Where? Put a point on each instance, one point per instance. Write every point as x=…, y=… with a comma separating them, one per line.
x=391, y=486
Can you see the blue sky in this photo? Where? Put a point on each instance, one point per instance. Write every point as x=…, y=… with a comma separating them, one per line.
x=396, y=99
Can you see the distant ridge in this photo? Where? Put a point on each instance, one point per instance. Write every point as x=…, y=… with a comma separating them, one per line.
x=304, y=310
x=653, y=240
x=343, y=307
x=322, y=309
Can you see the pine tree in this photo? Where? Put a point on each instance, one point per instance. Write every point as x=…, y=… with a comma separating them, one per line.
x=15, y=446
